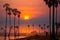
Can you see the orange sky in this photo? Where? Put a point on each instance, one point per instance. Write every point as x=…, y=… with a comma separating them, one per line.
x=32, y=8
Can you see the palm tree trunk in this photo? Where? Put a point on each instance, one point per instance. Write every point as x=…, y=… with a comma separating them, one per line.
x=10, y=26
x=26, y=30
x=5, y=26
x=14, y=28
x=33, y=28
x=28, y=27
x=44, y=29
x=53, y=30
x=56, y=21
x=39, y=30
x=18, y=26
x=50, y=20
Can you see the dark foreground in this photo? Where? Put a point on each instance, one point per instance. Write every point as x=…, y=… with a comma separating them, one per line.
x=35, y=37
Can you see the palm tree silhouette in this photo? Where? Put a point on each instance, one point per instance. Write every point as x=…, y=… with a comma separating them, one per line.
x=1, y=31
x=9, y=13
x=56, y=5
x=1, y=28
x=39, y=27
x=6, y=6
x=14, y=13
x=48, y=26
x=33, y=27
x=53, y=2
x=28, y=27
x=57, y=26
x=18, y=21
x=49, y=5
x=44, y=28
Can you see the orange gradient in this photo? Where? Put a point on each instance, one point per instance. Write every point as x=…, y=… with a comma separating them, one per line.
x=30, y=9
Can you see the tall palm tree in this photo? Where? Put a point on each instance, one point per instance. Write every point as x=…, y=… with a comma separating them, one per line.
x=48, y=2
x=53, y=2
x=9, y=13
x=18, y=21
x=14, y=13
x=39, y=27
x=6, y=6
x=56, y=5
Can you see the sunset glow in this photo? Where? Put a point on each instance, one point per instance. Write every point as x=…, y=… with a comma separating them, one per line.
x=29, y=19
x=26, y=17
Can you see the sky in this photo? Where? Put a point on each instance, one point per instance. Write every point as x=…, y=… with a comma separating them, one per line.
x=37, y=11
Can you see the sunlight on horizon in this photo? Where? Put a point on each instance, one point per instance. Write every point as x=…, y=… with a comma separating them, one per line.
x=26, y=17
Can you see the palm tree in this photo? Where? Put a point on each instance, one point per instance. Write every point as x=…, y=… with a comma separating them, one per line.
x=9, y=13
x=28, y=27
x=57, y=26
x=6, y=6
x=53, y=2
x=44, y=28
x=33, y=26
x=39, y=27
x=49, y=5
x=14, y=13
x=1, y=31
x=1, y=28
x=56, y=5
x=18, y=21
x=48, y=26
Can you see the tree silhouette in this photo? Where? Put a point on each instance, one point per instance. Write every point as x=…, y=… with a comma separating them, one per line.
x=44, y=27
x=57, y=26
x=28, y=27
x=6, y=6
x=1, y=29
x=53, y=3
x=48, y=26
x=9, y=13
x=39, y=27
x=14, y=13
x=48, y=2
x=56, y=5
x=33, y=26
x=18, y=21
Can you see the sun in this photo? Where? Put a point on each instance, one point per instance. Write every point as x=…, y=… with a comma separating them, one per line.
x=26, y=17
